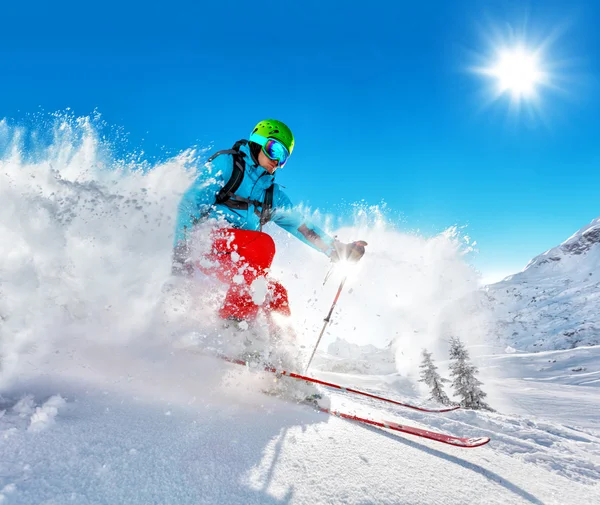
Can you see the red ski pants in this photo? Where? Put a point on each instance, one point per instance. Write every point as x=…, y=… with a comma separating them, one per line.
x=238, y=258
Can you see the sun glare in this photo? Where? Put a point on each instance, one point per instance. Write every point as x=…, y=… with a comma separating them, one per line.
x=519, y=69
x=517, y=72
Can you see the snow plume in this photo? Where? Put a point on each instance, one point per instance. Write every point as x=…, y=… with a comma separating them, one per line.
x=85, y=256
x=409, y=292
x=85, y=239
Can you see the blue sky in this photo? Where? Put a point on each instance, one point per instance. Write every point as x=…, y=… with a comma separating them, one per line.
x=380, y=96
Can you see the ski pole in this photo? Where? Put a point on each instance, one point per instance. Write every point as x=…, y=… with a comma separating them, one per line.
x=327, y=319
x=270, y=368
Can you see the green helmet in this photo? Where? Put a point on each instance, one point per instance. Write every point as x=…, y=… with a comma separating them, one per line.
x=273, y=129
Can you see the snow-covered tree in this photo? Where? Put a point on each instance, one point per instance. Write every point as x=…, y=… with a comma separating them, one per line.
x=466, y=386
x=432, y=378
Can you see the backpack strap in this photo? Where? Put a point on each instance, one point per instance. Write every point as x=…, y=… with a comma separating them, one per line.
x=237, y=175
x=226, y=196
x=267, y=206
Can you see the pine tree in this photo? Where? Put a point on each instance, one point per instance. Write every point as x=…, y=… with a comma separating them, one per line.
x=432, y=378
x=466, y=386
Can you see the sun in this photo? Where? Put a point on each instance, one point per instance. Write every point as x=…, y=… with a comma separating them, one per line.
x=519, y=66
x=517, y=71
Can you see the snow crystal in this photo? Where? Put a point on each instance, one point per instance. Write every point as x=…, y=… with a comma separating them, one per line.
x=259, y=290
x=9, y=488
x=206, y=263
x=25, y=406
x=44, y=415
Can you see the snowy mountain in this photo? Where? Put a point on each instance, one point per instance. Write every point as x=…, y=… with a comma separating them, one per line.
x=554, y=303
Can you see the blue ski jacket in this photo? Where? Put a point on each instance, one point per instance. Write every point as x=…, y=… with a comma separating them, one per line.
x=198, y=203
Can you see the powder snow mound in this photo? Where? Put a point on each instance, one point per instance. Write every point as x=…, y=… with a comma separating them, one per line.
x=29, y=414
x=554, y=303
x=345, y=357
x=344, y=349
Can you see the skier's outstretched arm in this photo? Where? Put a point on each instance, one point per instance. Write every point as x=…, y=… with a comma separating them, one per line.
x=291, y=220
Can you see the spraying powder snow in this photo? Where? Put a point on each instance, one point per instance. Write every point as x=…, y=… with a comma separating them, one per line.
x=85, y=256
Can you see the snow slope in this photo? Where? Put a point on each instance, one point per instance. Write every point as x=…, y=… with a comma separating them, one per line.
x=174, y=427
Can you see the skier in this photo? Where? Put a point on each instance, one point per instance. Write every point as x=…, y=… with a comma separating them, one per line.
x=237, y=190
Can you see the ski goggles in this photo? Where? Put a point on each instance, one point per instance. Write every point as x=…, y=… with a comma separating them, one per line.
x=276, y=151
x=273, y=149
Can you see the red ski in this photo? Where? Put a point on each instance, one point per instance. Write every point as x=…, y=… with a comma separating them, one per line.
x=463, y=442
x=411, y=430
x=293, y=375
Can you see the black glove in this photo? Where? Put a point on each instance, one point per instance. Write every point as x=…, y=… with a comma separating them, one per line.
x=349, y=252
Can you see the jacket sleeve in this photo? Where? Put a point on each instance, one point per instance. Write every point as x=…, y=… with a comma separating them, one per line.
x=199, y=198
x=294, y=222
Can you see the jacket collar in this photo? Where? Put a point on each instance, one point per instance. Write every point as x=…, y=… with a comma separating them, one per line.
x=260, y=171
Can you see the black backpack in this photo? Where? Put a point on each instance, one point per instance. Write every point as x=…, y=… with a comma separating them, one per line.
x=226, y=196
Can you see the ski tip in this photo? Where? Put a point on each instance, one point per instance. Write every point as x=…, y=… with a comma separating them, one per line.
x=449, y=409
x=473, y=442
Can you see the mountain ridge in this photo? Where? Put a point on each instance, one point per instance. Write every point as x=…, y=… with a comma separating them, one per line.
x=554, y=302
